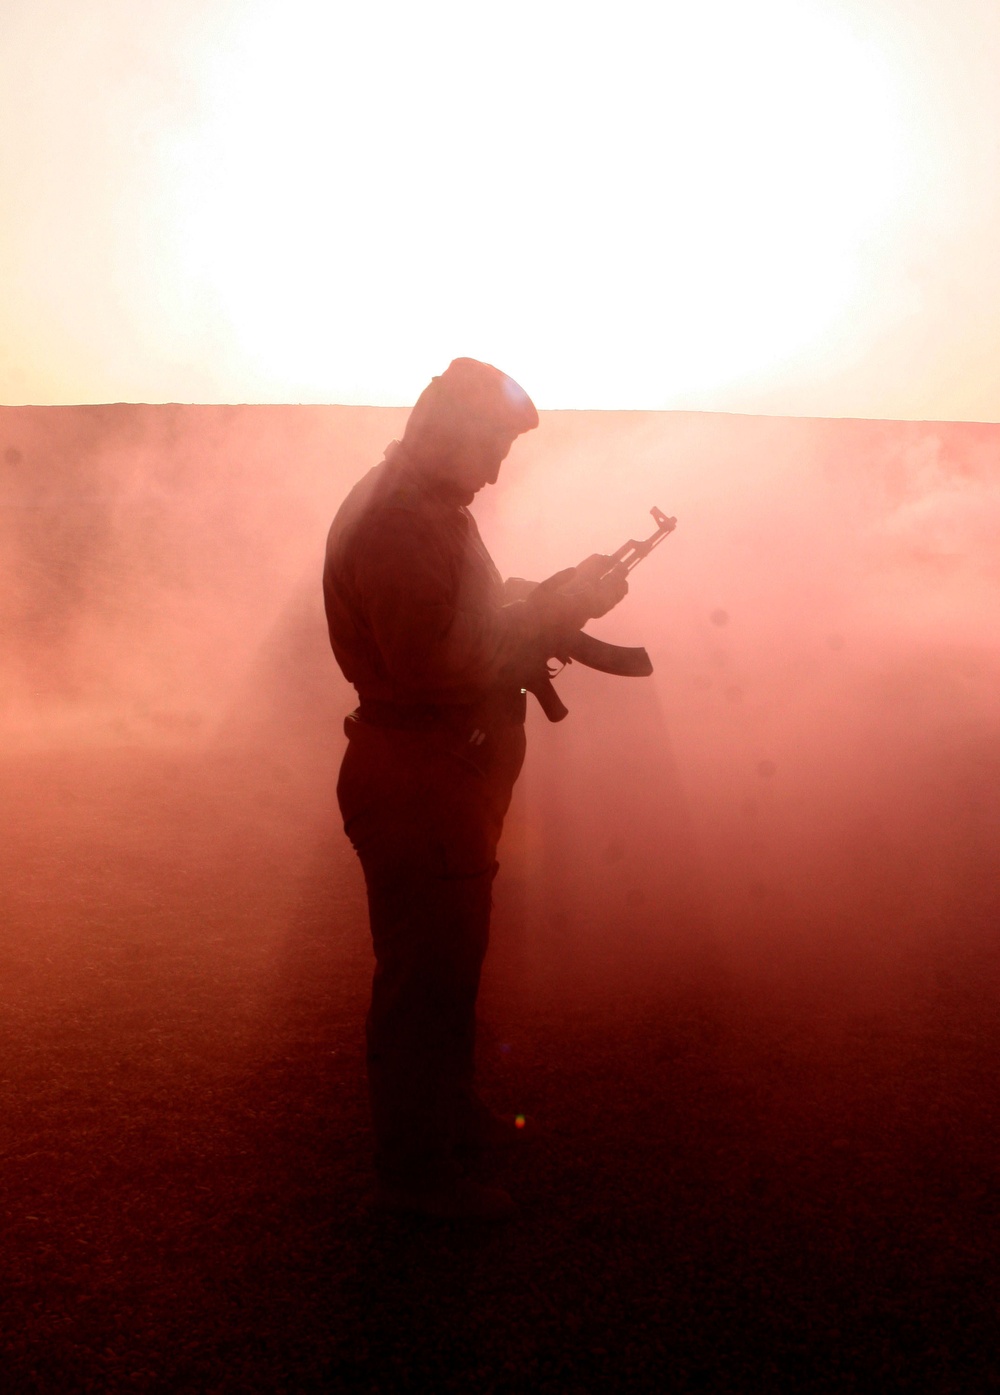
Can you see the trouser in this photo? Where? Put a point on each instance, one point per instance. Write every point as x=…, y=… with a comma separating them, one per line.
x=425, y=823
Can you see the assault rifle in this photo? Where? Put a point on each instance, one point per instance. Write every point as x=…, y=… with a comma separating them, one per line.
x=619, y=659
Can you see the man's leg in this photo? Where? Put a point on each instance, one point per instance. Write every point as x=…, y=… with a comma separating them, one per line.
x=430, y=936
x=426, y=832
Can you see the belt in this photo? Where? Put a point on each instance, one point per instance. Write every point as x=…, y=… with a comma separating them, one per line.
x=412, y=716
x=502, y=706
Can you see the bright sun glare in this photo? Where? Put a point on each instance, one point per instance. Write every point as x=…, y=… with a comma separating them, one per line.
x=624, y=208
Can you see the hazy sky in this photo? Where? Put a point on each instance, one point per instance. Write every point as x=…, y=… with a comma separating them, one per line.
x=791, y=207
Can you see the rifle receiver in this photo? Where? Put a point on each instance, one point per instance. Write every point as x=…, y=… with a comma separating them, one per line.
x=632, y=552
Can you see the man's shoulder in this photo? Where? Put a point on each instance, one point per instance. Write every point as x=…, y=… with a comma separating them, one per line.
x=386, y=512
x=385, y=488
x=380, y=495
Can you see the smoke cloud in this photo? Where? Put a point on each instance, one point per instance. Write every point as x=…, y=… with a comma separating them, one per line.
x=807, y=785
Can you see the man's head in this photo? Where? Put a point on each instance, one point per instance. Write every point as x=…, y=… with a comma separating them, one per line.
x=464, y=423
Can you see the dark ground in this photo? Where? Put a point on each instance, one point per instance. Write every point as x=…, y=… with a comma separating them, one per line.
x=736, y=1191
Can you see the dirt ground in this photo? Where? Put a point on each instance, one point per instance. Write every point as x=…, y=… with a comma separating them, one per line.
x=742, y=1184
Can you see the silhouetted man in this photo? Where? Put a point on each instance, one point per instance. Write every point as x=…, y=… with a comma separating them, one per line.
x=437, y=646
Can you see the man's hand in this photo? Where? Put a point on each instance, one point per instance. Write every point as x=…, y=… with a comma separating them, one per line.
x=601, y=582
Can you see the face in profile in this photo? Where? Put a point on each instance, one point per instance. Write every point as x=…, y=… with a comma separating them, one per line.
x=476, y=460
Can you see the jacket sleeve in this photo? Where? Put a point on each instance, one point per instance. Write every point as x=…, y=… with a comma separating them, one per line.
x=515, y=588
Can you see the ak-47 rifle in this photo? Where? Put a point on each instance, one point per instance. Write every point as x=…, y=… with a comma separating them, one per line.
x=619, y=659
